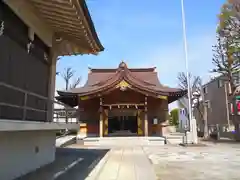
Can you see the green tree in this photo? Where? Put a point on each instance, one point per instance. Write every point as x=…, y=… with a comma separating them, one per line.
x=174, y=118
x=226, y=57
x=229, y=29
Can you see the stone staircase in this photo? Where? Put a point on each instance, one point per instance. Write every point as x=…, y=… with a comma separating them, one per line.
x=65, y=140
x=175, y=138
x=122, y=141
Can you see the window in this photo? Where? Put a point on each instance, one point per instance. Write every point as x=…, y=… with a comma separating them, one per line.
x=205, y=90
x=155, y=121
x=220, y=83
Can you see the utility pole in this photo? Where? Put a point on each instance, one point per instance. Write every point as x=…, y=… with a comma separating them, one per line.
x=192, y=122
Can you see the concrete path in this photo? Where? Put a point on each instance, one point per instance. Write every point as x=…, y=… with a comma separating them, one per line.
x=127, y=163
x=70, y=164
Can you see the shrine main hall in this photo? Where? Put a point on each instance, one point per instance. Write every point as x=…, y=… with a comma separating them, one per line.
x=122, y=102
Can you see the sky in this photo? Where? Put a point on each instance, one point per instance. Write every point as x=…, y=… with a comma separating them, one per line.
x=149, y=34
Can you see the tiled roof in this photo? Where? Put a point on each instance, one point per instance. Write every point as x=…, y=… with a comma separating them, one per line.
x=146, y=79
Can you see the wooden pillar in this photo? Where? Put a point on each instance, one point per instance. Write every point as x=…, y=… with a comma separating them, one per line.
x=52, y=80
x=105, y=121
x=145, y=117
x=139, y=122
x=101, y=119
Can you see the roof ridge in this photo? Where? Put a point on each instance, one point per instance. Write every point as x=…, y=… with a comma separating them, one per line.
x=106, y=70
x=141, y=80
x=120, y=66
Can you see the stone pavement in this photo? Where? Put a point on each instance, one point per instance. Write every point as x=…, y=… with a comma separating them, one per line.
x=127, y=163
x=216, y=161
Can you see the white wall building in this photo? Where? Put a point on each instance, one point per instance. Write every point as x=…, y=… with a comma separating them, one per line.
x=30, y=42
x=183, y=119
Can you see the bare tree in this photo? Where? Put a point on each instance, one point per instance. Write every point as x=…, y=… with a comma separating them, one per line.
x=194, y=85
x=197, y=96
x=75, y=83
x=67, y=76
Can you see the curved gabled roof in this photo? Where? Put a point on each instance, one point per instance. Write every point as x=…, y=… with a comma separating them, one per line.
x=102, y=80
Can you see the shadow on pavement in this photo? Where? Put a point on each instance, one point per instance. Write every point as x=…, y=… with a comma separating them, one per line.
x=78, y=162
x=221, y=141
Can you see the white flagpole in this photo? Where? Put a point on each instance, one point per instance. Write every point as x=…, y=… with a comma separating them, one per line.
x=191, y=124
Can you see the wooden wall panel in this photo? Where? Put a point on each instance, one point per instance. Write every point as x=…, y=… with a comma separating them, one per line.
x=27, y=71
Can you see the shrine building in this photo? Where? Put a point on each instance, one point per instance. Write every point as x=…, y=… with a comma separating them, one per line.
x=122, y=102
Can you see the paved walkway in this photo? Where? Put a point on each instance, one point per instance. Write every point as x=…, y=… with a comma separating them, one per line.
x=127, y=163
x=215, y=161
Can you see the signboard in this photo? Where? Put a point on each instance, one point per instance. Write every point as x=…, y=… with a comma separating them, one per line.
x=237, y=105
x=155, y=121
x=163, y=97
x=238, y=97
x=83, y=98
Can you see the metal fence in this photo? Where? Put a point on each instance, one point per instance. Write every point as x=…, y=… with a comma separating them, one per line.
x=33, y=107
x=222, y=130
x=68, y=115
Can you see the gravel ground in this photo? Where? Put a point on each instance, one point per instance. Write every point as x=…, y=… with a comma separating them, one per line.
x=215, y=161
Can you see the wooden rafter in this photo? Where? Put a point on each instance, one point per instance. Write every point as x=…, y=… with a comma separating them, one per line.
x=57, y=5
x=124, y=104
x=67, y=17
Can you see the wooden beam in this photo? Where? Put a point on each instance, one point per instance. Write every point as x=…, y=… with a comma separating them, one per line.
x=80, y=12
x=55, y=13
x=27, y=13
x=62, y=2
x=63, y=22
x=125, y=104
x=60, y=26
x=55, y=4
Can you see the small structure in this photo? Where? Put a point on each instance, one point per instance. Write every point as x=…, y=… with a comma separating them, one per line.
x=33, y=33
x=122, y=101
x=183, y=119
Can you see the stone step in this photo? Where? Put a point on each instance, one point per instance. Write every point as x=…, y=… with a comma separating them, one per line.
x=123, y=141
x=65, y=140
x=175, y=138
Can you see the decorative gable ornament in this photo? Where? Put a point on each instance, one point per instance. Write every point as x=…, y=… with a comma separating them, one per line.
x=123, y=85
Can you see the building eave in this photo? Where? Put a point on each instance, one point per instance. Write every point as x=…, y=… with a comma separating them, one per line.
x=69, y=19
